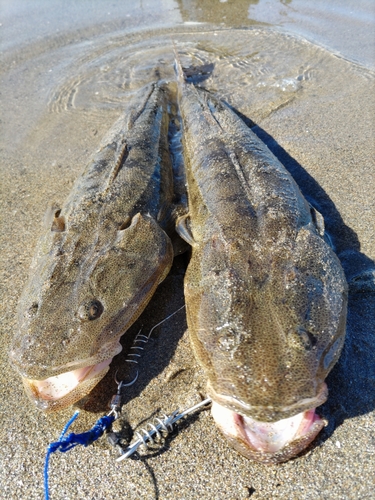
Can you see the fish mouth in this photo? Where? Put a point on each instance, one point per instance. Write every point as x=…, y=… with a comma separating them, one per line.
x=73, y=380
x=57, y=392
x=269, y=413
x=268, y=442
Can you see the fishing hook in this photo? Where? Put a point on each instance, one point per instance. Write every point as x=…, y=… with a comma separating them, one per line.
x=116, y=401
x=162, y=428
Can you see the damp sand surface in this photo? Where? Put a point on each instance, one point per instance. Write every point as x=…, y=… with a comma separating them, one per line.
x=309, y=94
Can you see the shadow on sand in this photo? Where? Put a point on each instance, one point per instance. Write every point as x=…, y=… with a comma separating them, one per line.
x=352, y=381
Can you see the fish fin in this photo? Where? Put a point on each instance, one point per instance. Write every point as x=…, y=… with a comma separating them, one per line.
x=123, y=154
x=168, y=223
x=183, y=230
x=139, y=223
x=125, y=223
x=178, y=66
x=318, y=221
x=53, y=220
x=58, y=223
x=130, y=223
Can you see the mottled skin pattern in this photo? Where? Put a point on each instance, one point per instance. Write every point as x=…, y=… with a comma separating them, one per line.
x=102, y=255
x=265, y=295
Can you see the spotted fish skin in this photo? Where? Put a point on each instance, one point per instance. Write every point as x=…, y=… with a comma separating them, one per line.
x=100, y=259
x=266, y=296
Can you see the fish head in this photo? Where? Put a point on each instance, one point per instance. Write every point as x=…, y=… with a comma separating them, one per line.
x=267, y=325
x=78, y=302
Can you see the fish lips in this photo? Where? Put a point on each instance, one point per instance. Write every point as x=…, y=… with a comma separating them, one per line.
x=268, y=442
x=67, y=387
x=56, y=393
x=272, y=441
x=269, y=413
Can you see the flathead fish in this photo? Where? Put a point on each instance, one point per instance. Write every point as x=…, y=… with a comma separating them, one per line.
x=265, y=294
x=100, y=259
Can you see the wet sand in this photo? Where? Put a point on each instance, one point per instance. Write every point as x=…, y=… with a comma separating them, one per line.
x=323, y=133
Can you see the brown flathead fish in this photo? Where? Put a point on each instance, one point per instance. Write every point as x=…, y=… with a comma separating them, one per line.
x=100, y=259
x=265, y=294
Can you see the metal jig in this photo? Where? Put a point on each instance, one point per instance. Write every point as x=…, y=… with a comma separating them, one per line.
x=162, y=428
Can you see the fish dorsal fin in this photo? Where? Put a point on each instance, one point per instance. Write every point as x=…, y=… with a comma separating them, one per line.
x=183, y=230
x=121, y=158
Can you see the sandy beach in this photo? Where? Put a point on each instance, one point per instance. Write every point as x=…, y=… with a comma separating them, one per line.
x=65, y=77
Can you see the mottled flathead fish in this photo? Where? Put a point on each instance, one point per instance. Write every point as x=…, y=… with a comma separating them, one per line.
x=100, y=259
x=265, y=294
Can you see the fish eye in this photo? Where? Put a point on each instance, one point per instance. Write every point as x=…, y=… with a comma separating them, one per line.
x=90, y=310
x=307, y=338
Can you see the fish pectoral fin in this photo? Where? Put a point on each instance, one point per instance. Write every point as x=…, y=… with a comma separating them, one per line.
x=318, y=220
x=183, y=230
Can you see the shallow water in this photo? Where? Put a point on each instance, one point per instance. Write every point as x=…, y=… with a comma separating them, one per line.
x=302, y=73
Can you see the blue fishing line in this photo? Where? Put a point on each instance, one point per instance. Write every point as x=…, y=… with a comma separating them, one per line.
x=66, y=443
